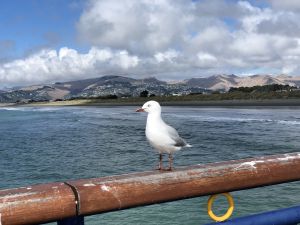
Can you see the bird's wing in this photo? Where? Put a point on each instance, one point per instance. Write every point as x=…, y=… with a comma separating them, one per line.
x=179, y=142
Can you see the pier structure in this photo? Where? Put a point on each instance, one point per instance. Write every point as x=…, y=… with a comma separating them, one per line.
x=70, y=201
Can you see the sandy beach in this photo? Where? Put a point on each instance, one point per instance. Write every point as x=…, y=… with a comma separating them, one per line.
x=6, y=104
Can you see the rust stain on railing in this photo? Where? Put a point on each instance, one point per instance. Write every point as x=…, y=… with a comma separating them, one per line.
x=50, y=202
x=36, y=204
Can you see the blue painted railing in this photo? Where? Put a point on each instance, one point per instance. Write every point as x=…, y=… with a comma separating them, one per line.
x=287, y=216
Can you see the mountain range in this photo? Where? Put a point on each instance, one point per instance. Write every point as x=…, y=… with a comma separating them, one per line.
x=125, y=87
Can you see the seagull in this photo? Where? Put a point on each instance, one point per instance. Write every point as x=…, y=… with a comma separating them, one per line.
x=161, y=136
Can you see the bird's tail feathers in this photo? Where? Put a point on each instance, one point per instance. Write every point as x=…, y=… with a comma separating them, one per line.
x=188, y=145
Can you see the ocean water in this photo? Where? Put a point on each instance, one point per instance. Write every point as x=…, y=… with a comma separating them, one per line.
x=47, y=144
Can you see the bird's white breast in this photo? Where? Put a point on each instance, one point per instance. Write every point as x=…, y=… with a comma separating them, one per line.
x=157, y=135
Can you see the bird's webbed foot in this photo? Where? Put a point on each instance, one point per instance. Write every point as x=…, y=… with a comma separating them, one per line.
x=168, y=169
x=159, y=168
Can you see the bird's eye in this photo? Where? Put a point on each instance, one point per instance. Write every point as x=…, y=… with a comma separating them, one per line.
x=149, y=105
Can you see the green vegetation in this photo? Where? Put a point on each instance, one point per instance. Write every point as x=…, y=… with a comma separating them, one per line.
x=203, y=97
x=274, y=91
x=144, y=94
x=264, y=88
x=98, y=97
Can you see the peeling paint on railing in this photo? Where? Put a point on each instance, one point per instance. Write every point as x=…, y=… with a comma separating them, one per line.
x=104, y=187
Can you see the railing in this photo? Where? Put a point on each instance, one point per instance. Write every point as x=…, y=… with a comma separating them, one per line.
x=287, y=216
x=68, y=202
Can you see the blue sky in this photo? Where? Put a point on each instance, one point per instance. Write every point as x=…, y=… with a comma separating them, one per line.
x=33, y=24
x=53, y=40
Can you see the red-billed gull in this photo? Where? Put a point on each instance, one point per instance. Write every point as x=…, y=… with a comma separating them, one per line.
x=161, y=136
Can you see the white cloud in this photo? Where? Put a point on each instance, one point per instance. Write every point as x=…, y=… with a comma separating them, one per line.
x=253, y=37
x=171, y=40
x=66, y=64
x=206, y=60
x=289, y=5
x=169, y=55
x=124, y=60
x=255, y=16
x=139, y=26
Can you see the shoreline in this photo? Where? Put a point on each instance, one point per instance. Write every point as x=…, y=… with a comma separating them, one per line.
x=6, y=104
x=211, y=103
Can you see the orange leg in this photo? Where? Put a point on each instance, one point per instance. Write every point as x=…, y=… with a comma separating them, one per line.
x=160, y=165
x=170, y=162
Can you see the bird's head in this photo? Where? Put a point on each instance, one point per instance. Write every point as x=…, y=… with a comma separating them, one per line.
x=150, y=107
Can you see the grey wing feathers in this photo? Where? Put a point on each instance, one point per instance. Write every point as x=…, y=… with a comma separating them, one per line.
x=179, y=142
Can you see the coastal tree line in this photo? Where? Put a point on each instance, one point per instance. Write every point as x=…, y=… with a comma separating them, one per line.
x=264, y=88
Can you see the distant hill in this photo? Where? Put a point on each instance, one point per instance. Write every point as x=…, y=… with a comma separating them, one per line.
x=216, y=82
x=225, y=82
x=125, y=86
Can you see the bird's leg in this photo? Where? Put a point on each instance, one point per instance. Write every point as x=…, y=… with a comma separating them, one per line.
x=160, y=165
x=170, y=162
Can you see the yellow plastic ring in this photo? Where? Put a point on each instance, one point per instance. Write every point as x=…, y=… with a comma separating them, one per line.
x=229, y=210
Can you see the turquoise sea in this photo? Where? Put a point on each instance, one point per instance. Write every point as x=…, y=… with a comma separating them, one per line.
x=46, y=144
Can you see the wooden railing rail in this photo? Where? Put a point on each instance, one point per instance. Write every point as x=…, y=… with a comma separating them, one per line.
x=55, y=201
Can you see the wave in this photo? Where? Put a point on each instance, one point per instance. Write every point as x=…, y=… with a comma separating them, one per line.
x=238, y=119
x=47, y=109
x=219, y=118
x=228, y=119
x=284, y=122
x=12, y=108
x=289, y=122
x=31, y=109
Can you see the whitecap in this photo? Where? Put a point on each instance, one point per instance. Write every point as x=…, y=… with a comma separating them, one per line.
x=31, y=109
x=289, y=122
x=236, y=119
x=12, y=108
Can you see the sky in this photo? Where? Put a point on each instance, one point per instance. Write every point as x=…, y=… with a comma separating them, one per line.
x=52, y=40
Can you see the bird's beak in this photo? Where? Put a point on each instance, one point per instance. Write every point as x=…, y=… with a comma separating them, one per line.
x=140, y=110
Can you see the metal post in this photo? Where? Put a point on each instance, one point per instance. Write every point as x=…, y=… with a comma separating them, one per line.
x=77, y=220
